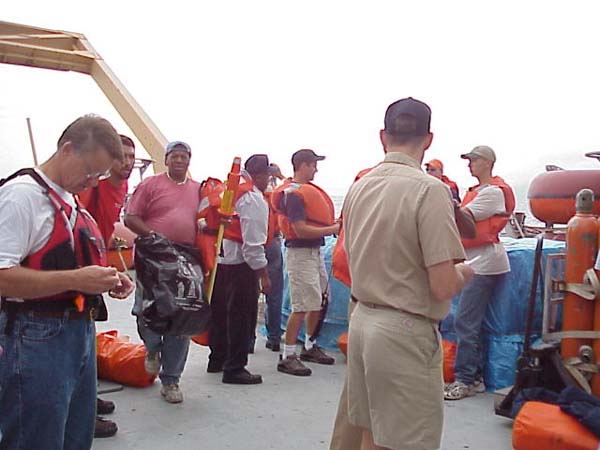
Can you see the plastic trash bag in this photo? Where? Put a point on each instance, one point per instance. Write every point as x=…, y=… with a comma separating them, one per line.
x=171, y=278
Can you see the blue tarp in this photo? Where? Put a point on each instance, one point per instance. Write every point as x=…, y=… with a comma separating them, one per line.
x=504, y=323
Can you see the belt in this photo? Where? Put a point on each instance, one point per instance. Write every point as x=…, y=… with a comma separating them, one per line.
x=57, y=309
x=380, y=306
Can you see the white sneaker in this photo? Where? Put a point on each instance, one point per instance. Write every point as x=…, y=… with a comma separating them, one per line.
x=152, y=363
x=458, y=390
x=171, y=393
x=479, y=386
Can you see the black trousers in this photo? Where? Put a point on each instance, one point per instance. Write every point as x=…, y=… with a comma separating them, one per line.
x=234, y=308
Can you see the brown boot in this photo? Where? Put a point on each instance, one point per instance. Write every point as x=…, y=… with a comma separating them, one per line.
x=293, y=366
x=316, y=355
x=104, y=428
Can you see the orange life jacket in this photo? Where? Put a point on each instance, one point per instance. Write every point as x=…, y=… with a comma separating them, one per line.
x=487, y=230
x=318, y=206
x=339, y=258
x=211, y=193
x=452, y=185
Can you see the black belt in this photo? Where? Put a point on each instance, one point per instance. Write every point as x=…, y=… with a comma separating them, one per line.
x=49, y=308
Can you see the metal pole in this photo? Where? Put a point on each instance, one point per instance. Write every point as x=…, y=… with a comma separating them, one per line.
x=35, y=160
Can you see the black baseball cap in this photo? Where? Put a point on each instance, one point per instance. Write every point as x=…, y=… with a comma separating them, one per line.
x=407, y=107
x=258, y=164
x=305, y=156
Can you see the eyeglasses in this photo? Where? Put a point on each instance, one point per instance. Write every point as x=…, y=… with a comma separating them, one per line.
x=94, y=175
x=99, y=175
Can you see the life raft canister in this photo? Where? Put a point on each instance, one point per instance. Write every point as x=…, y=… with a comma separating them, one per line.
x=552, y=195
x=487, y=230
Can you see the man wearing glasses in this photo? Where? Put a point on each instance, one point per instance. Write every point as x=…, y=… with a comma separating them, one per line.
x=51, y=280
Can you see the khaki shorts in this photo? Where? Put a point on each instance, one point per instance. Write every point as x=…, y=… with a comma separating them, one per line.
x=308, y=278
x=395, y=386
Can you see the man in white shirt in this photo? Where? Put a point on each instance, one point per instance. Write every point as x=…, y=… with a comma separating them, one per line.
x=51, y=280
x=490, y=203
x=241, y=275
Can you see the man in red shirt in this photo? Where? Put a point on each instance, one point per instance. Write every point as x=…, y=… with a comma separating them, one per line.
x=104, y=202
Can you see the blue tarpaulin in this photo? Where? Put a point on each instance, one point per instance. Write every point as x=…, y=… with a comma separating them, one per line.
x=504, y=323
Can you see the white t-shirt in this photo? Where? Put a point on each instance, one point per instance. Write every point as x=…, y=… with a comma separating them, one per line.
x=27, y=217
x=494, y=260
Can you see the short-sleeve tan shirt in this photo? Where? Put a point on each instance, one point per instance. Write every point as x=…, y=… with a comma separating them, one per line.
x=398, y=221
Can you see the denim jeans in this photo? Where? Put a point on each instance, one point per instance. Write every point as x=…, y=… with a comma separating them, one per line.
x=472, y=305
x=173, y=349
x=274, y=299
x=47, y=383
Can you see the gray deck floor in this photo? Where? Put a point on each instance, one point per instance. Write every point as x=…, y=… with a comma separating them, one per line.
x=283, y=413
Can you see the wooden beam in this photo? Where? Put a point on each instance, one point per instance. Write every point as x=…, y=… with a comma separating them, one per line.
x=60, y=50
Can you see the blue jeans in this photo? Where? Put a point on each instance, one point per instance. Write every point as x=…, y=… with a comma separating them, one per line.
x=47, y=383
x=274, y=299
x=472, y=305
x=173, y=349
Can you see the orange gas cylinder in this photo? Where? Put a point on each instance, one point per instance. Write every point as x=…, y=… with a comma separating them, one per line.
x=552, y=194
x=582, y=246
x=596, y=346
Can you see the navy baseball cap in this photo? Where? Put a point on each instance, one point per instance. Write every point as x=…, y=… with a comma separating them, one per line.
x=407, y=107
x=305, y=156
x=258, y=164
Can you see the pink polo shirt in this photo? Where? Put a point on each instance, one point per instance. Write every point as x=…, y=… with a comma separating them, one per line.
x=167, y=207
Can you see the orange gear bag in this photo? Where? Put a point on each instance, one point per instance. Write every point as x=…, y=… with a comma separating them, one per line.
x=121, y=361
x=544, y=426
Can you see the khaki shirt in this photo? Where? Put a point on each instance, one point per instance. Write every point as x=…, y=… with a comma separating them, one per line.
x=399, y=221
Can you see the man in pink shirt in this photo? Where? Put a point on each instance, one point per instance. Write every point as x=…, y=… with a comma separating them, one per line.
x=165, y=204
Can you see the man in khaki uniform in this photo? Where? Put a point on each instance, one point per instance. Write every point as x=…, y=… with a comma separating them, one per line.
x=402, y=245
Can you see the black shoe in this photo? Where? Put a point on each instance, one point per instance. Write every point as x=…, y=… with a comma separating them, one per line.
x=273, y=346
x=104, y=406
x=241, y=377
x=104, y=428
x=214, y=366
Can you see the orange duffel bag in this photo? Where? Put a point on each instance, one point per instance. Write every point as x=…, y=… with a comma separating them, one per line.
x=121, y=361
x=202, y=339
x=544, y=426
x=342, y=343
x=449, y=349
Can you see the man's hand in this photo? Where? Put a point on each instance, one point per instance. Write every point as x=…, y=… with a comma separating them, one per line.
x=465, y=271
x=124, y=288
x=265, y=282
x=95, y=279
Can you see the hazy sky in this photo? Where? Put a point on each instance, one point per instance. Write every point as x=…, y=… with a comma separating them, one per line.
x=240, y=77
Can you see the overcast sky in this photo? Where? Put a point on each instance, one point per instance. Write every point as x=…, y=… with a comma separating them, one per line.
x=241, y=77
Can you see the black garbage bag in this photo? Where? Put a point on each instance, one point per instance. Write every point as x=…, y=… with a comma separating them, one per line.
x=171, y=278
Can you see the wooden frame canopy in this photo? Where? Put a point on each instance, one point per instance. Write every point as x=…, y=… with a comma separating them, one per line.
x=62, y=50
